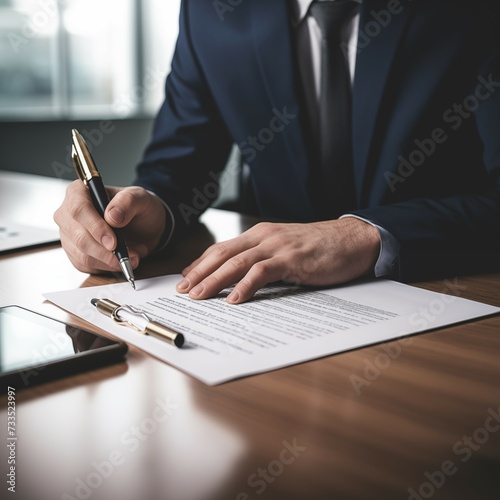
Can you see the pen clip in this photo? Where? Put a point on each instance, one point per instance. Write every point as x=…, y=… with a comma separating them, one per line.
x=123, y=322
x=78, y=165
x=82, y=159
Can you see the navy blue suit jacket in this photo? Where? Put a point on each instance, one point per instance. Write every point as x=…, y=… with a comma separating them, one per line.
x=426, y=124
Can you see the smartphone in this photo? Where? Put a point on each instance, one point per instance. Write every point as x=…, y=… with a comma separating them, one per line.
x=35, y=348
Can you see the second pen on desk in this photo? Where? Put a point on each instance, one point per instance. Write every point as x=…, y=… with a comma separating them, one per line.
x=137, y=320
x=87, y=172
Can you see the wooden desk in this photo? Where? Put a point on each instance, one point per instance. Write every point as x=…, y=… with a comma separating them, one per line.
x=406, y=421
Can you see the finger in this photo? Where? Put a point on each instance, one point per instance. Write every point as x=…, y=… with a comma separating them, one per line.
x=143, y=214
x=259, y=275
x=212, y=260
x=249, y=239
x=193, y=264
x=227, y=274
x=89, y=264
x=126, y=204
x=203, y=256
x=88, y=256
x=137, y=248
x=78, y=208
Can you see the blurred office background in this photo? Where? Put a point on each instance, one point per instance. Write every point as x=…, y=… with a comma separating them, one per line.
x=96, y=65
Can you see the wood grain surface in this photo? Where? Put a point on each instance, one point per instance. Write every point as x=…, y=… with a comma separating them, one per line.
x=424, y=422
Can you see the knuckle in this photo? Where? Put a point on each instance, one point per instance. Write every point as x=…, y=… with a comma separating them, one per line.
x=280, y=240
x=195, y=275
x=265, y=228
x=80, y=239
x=213, y=280
x=76, y=209
x=260, y=269
x=127, y=197
x=110, y=260
x=57, y=216
x=237, y=263
x=95, y=228
x=246, y=285
x=220, y=250
x=137, y=191
x=87, y=261
x=73, y=187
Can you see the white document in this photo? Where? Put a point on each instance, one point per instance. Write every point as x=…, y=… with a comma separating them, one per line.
x=16, y=236
x=280, y=327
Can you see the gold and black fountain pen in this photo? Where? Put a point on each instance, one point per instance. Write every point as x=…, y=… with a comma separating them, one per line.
x=87, y=171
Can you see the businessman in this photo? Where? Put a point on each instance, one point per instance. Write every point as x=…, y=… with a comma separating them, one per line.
x=373, y=126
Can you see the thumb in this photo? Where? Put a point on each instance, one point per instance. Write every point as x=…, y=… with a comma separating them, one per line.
x=125, y=205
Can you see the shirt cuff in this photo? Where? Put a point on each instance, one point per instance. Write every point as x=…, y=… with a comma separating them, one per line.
x=169, y=231
x=389, y=248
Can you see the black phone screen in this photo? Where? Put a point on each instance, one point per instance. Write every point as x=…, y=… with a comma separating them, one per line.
x=35, y=348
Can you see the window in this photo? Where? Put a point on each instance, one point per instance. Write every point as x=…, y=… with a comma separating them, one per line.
x=66, y=59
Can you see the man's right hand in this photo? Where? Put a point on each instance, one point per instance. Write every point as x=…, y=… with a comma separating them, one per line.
x=88, y=239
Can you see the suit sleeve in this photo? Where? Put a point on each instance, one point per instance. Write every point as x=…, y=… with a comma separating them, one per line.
x=190, y=143
x=457, y=234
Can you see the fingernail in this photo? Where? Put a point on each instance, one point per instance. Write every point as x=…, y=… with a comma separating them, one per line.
x=183, y=285
x=197, y=290
x=134, y=261
x=234, y=296
x=117, y=215
x=107, y=242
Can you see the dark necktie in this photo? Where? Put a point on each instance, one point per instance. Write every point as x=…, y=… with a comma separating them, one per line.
x=335, y=107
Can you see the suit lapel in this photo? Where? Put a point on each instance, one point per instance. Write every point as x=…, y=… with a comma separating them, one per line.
x=273, y=42
x=377, y=47
x=274, y=51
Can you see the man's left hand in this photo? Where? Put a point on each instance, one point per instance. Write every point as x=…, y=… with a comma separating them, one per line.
x=319, y=253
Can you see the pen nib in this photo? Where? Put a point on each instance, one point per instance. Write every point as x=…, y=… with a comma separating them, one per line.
x=127, y=271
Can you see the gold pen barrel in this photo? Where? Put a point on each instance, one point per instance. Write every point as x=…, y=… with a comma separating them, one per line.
x=106, y=306
x=84, y=163
x=164, y=333
x=129, y=316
